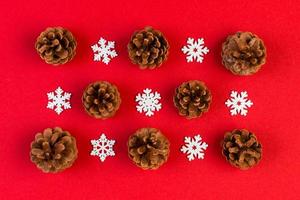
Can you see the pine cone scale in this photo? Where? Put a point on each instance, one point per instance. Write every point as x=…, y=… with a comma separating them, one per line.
x=36, y=151
x=59, y=147
x=54, y=138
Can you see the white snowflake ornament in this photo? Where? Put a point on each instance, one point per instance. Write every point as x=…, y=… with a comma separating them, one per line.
x=195, y=50
x=194, y=147
x=103, y=147
x=238, y=103
x=104, y=50
x=148, y=102
x=59, y=100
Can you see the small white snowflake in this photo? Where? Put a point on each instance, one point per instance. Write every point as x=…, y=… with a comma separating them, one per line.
x=59, y=100
x=103, y=147
x=195, y=50
x=238, y=103
x=148, y=102
x=104, y=51
x=194, y=147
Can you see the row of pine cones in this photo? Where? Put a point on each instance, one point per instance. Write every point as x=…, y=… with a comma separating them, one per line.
x=242, y=53
x=102, y=99
x=55, y=150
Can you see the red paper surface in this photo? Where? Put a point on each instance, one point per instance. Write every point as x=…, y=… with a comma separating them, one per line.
x=25, y=80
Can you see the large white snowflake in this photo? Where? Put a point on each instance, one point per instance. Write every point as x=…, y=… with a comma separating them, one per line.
x=103, y=147
x=148, y=102
x=238, y=103
x=195, y=50
x=194, y=147
x=59, y=100
x=104, y=50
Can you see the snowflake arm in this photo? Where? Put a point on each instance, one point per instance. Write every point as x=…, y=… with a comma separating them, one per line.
x=194, y=147
x=238, y=103
x=195, y=50
x=102, y=147
x=59, y=100
x=148, y=102
x=104, y=52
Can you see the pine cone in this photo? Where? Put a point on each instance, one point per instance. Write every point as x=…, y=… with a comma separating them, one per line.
x=53, y=150
x=56, y=45
x=148, y=148
x=242, y=149
x=192, y=98
x=148, y=48
x=101, y=99
x=243, y=53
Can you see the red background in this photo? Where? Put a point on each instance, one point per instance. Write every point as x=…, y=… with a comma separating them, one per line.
x=25, y=80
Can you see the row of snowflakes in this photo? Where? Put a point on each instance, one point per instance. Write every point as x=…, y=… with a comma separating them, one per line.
x=104, y=50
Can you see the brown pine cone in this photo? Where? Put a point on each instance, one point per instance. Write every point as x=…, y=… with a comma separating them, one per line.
x=243, y=53
x=101, y=99
x=53, y=150
x=148, y=148
x=242, y=149
x=192, y=98
x=148, y=48
x=56, y=45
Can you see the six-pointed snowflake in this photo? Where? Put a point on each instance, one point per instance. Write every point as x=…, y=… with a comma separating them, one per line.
x=195, y=50
x=148, y=102
x=194, y=147
x=104, y=51
x=238, y=103
x=102, y=147
x=59, y=100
